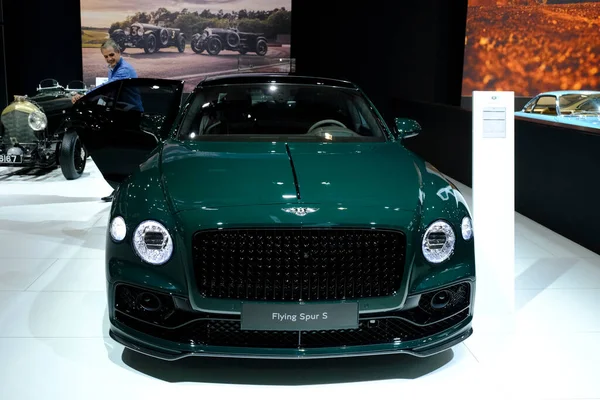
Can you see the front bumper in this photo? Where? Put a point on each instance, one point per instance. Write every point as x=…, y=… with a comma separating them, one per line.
x=461, y=334
x=176, y=331
x=39, y=154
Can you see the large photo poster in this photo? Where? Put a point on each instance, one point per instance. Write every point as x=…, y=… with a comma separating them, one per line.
x=532, y=46
x=188, y=39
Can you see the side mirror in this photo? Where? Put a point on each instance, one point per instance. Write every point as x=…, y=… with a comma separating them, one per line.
x=407, y=128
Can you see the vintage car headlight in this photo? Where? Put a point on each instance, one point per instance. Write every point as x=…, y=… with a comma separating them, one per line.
x=118, y=229
x=438, y=242
x=152, y=242
x=37, y=121
x=467, y=228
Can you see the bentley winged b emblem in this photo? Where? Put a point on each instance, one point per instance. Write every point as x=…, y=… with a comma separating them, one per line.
x=300, y=211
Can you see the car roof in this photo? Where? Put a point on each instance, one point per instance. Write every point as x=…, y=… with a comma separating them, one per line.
x=242, y=78
x=564, y=92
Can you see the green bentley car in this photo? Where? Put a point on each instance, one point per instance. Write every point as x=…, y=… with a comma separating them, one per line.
x=274, y=216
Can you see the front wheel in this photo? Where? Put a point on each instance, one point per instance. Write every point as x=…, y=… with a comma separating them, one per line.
x=196, y=44
x=72, y=157
x=181, y=45
x=214, y=46
x=261, y=47
x=151, y=45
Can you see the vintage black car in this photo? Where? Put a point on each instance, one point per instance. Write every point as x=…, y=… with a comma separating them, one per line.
x=33, y=132
x=151, y=38
x=213, y=40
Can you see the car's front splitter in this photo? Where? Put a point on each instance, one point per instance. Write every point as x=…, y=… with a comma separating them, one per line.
x=168, y=351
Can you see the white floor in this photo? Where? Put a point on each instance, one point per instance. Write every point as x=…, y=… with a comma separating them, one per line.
x=54, y=340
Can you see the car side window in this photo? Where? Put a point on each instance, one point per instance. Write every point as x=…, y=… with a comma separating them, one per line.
x=103, y=96
x=592, y=105
x=546, y=105
x=529, y=106
x=147, y=105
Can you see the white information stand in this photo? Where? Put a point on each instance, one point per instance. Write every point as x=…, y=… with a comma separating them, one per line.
x=494, y=207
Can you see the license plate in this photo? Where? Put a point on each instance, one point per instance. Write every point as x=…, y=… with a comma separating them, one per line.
x=12, y=159
x=299, y=317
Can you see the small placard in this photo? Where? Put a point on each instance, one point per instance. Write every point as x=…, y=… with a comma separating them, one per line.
x=494, y=122
x=299, y=317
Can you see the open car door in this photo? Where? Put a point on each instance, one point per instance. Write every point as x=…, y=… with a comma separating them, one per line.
x=121, y=122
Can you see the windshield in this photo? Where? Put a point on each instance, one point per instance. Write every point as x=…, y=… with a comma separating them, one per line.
x=580, y=104
x=291, y=112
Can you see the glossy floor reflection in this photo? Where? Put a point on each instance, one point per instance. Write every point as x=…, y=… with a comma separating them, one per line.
x=54, y=330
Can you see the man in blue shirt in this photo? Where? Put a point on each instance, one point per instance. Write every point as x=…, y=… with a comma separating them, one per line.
x=119, y=68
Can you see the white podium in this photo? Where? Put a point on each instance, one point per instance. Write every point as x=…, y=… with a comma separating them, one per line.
x=494, y=207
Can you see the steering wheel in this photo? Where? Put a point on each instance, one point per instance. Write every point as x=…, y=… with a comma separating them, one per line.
x=326, y=122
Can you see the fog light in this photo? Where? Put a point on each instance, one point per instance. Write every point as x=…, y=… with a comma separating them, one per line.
x=148, y=301
x=441, y=299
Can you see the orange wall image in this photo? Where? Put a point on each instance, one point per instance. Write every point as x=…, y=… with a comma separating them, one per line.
x=529, y=47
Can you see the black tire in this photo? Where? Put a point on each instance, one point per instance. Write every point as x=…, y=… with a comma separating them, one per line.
x=214, y=46
x=261, y=47
x=72, y=157
x=195, y=44
x=164, y=37
x=196, y=47
x=151, y=45
x=181, y=44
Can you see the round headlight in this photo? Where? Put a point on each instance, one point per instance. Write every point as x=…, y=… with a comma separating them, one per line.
x=37, y=121
x=438, y=242
x=152, y=243
x=118, y=229
x=467, y=228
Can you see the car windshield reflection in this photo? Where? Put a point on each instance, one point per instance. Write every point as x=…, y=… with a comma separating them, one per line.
x=580, y=105
x=254, y=112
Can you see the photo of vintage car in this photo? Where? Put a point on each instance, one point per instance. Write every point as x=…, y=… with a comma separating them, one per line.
x=574, y=107
x=151, y=38
x=33, y=132
x=274, y=216
x=214, y=40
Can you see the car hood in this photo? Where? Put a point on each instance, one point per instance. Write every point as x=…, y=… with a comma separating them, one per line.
x=222, y=174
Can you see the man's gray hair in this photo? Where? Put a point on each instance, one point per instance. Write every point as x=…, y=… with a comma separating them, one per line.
x=110, y=44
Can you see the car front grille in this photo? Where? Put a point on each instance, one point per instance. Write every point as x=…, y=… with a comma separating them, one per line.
x=298, y=264
x=16, y=127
